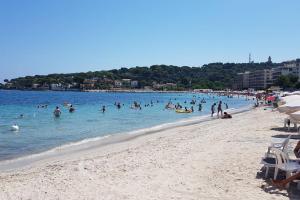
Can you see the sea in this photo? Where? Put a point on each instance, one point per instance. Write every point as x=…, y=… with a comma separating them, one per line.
x=40, y=131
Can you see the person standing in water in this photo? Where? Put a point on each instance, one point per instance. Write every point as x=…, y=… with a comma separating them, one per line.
x=220, y=108
x=226, y=105
x=118, y=105
x=200, y=107
x=57, y=112
x=103, y=109
x=213, y=109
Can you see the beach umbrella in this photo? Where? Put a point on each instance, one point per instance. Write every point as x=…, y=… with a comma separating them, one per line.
x=291, y=105
x=287, y=93
x=291, y=98
x=291, y=93
x=296, y=115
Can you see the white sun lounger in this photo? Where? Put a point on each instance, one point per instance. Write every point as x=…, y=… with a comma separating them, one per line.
x=285, y=164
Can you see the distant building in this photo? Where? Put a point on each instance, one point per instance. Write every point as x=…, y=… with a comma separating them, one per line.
x=56, y=87
x=291, y=68
x=107, y=81
x=147, y=88
x=170, y=84
x=134, y=84
x=35, y=86
x=262, y=79
x=292, y=63
x=9, y=85
x=118, y=84
x=258, y=79
x=91, y=81
x=164, y=86
x=45, y=86
x=276, y=73
x=87, y=86
x=242, y=81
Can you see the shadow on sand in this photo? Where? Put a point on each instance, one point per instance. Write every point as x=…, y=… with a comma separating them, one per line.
x=293, y=136
x=283, y=129
x=292, y=192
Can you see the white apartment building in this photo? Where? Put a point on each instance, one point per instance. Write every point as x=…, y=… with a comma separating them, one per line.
x=291, y=67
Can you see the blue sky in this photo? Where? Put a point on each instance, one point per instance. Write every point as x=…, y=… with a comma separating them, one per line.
x=41, y=37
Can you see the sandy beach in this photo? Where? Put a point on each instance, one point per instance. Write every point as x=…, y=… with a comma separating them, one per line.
x=217, y=159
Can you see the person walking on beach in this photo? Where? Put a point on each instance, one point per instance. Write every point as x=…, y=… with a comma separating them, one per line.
x=220, y=108
x=213, y=109
x=57, y=112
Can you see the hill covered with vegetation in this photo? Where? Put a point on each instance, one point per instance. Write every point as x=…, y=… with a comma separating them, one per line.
x=214, y=75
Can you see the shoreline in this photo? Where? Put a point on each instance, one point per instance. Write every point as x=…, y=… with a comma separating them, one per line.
x=233, y=92
x=98, y=142
x=216, y=159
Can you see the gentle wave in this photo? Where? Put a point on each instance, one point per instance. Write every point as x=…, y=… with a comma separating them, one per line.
x=88, y=143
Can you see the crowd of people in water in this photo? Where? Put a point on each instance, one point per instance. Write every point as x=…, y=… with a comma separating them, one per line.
x=178, y=107
x=216, y=108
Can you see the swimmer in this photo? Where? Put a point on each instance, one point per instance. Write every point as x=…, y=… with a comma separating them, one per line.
x=118, y=105
x=57, y=112
x=72, y=109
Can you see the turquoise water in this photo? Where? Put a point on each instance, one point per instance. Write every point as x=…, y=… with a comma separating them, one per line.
x=41, y=131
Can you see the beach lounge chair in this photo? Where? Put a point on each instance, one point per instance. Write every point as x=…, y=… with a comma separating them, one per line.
x=269, y=161
x=279, y=145
x=284, y=163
